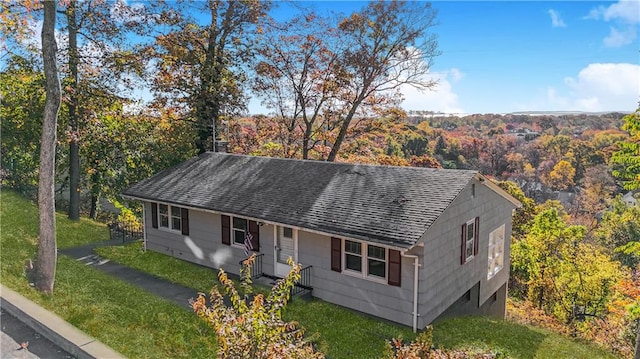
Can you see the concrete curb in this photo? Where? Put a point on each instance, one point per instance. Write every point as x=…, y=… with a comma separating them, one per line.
x=54, y=328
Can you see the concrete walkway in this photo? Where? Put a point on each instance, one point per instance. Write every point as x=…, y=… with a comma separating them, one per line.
x=152, y=284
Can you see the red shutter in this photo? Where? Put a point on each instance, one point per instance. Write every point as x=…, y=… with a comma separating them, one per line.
x=463, y=252
x=184, y=215
x=255, y=235
x=336, y=254
x=154, y=215
x=476, y=236
x=226, y=229
x=395, y=268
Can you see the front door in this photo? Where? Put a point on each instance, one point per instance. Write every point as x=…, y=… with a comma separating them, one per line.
x=286, y=247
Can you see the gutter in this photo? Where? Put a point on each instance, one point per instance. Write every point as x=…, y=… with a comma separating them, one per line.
x=416, y=273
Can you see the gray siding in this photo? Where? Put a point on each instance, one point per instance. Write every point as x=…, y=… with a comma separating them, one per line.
x=445, y=279
x=204, y=245
x=379, y=299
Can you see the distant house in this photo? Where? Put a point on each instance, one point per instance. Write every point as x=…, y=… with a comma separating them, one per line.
x=405, y=244
x=629, y=199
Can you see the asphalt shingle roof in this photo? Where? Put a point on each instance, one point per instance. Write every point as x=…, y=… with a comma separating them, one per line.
x=383, y=204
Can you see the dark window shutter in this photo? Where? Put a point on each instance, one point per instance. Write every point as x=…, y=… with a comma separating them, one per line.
x=255, y=235
x=395, y=268
x=226, y=229
x=476, y=236
x=463, y=252
x=184, y=214
x=336, y=254
x=154, y=215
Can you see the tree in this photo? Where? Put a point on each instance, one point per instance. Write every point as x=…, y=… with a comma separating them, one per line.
x=44, y=270
x=297, y=76
x=254, y=328
x=522, y=216
x=386, y=45
x=99, y=66
x=559, y=271
x=619, y=232
x=22, y=97
x=597, y=190
x=561, y=176
x=626, y=160
x=200, y=67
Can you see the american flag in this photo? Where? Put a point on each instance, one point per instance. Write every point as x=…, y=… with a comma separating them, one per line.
x=248, y=247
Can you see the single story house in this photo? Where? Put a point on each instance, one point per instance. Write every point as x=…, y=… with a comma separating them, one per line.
x=405, y=244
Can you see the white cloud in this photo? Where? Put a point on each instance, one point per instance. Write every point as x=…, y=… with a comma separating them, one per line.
x=598, y=87
x=620, y=38
x=624, y=10
x=556, y=20
x=625, y=14
x=442, y=98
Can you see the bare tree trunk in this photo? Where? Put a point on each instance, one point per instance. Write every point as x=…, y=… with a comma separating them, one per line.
x=344, y=127
x=44, y=271
x=74, y=155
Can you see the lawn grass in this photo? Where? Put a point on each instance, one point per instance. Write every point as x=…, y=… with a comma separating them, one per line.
x=140, y=325
x=342, y=333
x=339, y=332
x=510, y=339
x=133, y=322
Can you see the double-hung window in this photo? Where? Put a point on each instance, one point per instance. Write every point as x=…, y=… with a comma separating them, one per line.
x=170, y=217
x=496, y=252
x=367, y=259
x=353, y=256
x=469, y=240
x=376, y=261
x=239, y=230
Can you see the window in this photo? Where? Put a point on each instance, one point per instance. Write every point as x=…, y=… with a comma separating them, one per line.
x=235, y=230
x=469, y=240
x=164, y=216
x=496, y=252
x=364, y=258
x=176, y=218
x=239, y=230
x=376, y=264
x=353, y=256
x=170, y=217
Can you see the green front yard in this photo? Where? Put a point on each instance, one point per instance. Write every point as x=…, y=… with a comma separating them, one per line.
x=140, y=325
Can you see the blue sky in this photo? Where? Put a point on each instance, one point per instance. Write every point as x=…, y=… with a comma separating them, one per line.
x=511, y=56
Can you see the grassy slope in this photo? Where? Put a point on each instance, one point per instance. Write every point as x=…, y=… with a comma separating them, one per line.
x=137, y=324
x=342, y=333
x=140, y=325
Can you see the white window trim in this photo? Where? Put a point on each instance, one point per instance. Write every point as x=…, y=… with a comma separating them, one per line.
x=232, y=232
x=500, y=233
x=364, y=256
x=467, y=241
x=170, y=218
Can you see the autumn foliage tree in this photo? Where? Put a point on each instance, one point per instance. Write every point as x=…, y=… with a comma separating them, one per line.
x=199, y=67
x=626, y=160
x=560, y=270
x=386, y=45
x=253, y=327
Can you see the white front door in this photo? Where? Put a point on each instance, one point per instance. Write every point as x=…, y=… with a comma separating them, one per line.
x=286, y=247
